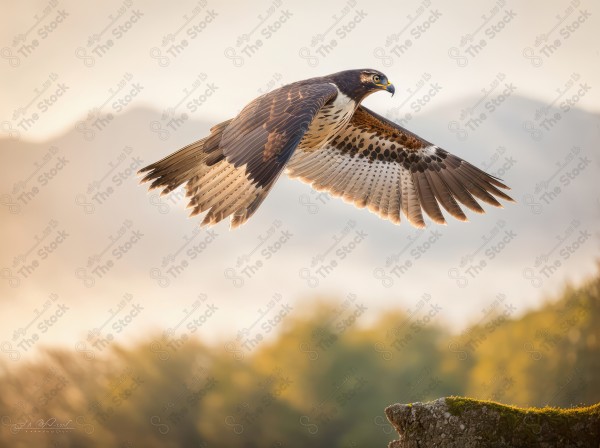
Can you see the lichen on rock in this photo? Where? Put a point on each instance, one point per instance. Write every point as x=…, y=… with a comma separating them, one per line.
x=457, y=422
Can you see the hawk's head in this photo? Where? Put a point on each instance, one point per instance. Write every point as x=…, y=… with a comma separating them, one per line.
x=357, y=84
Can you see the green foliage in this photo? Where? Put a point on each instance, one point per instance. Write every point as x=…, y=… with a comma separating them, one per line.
x=547, y=357
x=315, y=384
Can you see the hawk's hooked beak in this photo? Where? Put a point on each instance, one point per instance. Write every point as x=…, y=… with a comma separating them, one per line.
x=390, y=88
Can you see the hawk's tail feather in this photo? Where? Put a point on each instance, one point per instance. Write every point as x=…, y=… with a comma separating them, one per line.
x=213, y=183
x=172, y=171
x=177, y=168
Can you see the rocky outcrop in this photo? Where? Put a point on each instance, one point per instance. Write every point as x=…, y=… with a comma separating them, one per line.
x=456, y=422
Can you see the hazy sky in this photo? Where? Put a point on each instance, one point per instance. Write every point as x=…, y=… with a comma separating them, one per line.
x=89, y=95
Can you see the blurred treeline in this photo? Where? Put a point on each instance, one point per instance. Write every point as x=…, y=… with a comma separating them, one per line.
x=318, y=383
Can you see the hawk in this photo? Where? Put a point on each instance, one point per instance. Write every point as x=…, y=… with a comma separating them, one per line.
x=317, y=131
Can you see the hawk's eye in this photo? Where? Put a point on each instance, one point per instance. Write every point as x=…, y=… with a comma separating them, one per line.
x=376, y=78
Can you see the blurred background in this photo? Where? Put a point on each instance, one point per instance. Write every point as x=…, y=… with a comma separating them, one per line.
x=128, y=325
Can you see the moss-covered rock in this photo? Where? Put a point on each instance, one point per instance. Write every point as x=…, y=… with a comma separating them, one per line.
x=466, y=423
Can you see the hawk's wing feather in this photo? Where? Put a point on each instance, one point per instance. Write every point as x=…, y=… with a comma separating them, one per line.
x=373, y=162
x=230, y=172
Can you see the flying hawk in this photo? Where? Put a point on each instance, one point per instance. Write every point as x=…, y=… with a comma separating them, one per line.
x=318, y=132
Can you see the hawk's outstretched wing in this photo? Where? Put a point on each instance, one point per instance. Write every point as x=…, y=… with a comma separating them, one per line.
x=230, y=172
x=373, y=162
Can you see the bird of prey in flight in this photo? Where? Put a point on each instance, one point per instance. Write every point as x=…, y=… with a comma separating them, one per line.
x=317, y=131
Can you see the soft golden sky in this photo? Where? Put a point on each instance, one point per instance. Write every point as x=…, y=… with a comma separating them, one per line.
x=91, y=93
